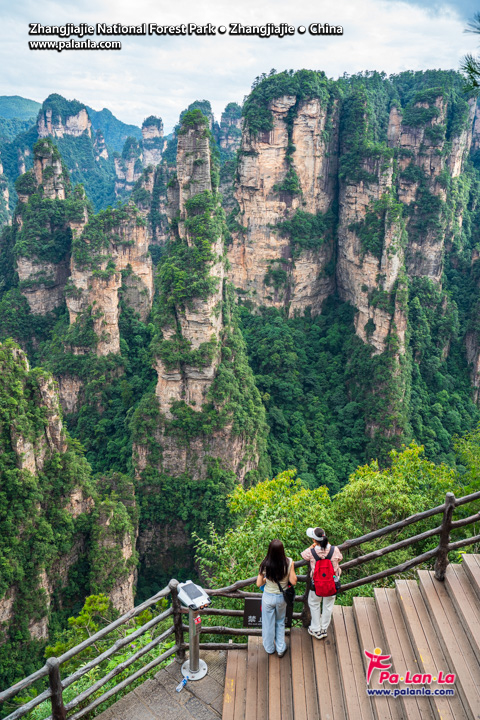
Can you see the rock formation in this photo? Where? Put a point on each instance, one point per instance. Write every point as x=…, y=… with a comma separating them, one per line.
x=282, y=172
x=5, y=217
x=47, y=212
x=152, y=142
x=59, y=118
x=110, y=253
x=100, y=146
x=139, y=155
x=229, y=132
x=194, y=330
x=56, y=492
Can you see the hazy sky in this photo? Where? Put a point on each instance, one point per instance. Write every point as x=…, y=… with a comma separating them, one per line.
x=162, y=75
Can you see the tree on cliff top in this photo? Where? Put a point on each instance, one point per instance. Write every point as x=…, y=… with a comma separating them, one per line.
x=470, y=64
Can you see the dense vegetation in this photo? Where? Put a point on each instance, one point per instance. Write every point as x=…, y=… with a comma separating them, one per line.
x=38, y=529
x=333, y=406
x=373, y=498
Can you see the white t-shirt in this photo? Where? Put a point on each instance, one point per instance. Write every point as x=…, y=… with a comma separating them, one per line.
x=272, y=587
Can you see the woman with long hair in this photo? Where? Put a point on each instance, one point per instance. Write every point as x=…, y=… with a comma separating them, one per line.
x=276, y=571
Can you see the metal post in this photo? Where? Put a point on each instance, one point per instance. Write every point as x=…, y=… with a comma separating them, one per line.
x=58, y=709
x=194, y=642
x=442, y=554
x=194, y=668
x=177, y=620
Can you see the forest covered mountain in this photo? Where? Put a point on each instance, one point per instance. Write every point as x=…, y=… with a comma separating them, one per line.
x=295, y=286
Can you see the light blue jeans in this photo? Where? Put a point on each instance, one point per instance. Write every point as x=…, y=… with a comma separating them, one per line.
x=273, y=622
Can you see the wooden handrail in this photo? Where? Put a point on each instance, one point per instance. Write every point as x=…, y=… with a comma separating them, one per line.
x=236, y=590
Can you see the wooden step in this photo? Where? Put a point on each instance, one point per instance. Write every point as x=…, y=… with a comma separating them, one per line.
x=256, y=698
x=356, y=702
x=466, y=604
x=371, y=636
x=402, y=656
x=327, y=673
x=460, y=657
x=280, y=702
x=235, y=686
x=471, y=565
x=305, y=703
x=426, y=646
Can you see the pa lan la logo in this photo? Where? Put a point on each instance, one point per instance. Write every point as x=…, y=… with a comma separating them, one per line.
x=380, y=662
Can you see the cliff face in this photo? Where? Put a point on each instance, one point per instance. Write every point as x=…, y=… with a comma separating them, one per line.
x=152, y=141
x=84, y=151
x=100, y=146
x=203, y=428
x=5, y=216
x=47, y=212
x=57, y=495
x=376, y=229
x=109, y=254
x=50, y=123
x=284, y=171
x=139, y=155
x=229, y=132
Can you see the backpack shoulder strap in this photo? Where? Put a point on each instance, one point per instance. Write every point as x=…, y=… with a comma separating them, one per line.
x=312, y=550
x=330, y=552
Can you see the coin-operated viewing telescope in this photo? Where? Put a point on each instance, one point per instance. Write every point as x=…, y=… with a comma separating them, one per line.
x=195, y=598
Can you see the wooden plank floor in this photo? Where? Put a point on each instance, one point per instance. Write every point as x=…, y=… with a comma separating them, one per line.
x=471, y=564
x=466, y=604
x=327, y=675
x=425, y=626
x=371, y=636
x=455, y=644
x=352, y=674
x=426, y=646
x=399, y=647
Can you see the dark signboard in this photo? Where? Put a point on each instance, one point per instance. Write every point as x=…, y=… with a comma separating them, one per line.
x=252, y=613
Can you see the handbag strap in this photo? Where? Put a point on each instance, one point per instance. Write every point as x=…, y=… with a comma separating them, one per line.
x=282, y=590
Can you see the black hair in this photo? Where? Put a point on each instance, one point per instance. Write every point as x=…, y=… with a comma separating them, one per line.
x=320, y=532
x=275, y=564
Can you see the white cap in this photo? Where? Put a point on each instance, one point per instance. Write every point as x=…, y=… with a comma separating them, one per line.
x=311, y=534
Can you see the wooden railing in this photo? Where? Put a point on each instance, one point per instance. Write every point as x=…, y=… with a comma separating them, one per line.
x=78, y=707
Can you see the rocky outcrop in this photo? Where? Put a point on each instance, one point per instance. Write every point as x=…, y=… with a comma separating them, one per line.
x=128, y=167
x=43, y=284
x=139, y=155
x=100, y=146
x=44, y=229
x=57, y=491
x=196, y=329
x=5, y=216
x=110, y=254
x=59, y=118
x=198, y=321
x=229, y=132
x=289, y=169
x=152, y=141
x=49, y=172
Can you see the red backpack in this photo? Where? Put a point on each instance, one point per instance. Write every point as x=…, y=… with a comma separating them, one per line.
x=323, y=581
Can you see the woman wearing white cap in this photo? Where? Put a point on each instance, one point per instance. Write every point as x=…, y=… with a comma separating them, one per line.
x=320, y=547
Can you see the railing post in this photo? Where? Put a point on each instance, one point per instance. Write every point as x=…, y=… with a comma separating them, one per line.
x=306, y=615
x=442, y=554
x=177, y=620
x=58, y=710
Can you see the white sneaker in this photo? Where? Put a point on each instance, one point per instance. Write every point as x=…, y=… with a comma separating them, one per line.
x=322, y=634
x=315, y=633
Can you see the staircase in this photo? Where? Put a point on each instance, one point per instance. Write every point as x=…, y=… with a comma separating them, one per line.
x=426, y=627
